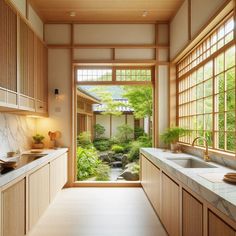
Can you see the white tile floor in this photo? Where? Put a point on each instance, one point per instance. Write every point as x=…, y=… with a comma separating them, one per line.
x=100, y=212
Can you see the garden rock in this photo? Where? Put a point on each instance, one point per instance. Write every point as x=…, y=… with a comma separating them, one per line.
x=124, y=160
x=118, y=157
x=129, y=174
x=116, y=164
x=104, y=157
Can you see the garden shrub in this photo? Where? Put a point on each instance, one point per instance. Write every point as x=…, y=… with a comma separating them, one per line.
x=102, y=172
x=102, y=144
x=99, y=131
x=138, y=131
x=89, y=165
x=84, y=140
x=117, y=148
x=124, y=133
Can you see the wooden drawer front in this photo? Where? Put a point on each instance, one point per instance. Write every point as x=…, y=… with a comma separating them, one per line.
x=38, y=194
x=217, y=227
x=13, y=210
x=170, y=206
x=192, y=216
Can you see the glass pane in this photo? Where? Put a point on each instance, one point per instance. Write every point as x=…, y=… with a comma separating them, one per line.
x=200, y=91
x=230, y=79
x=230, y=121
x=208, y=87
x=230, y=57
x=220, y=83
x=230, y=141
x=208, y=122
x=221, y=102
x=219, y=63
x=209, y=138
x=208, y=68
x=221, y=121
x=221, y=140
x=200, y=106
x=230, y=100
x=200, y=75
x=208, y=105
x=200, y=122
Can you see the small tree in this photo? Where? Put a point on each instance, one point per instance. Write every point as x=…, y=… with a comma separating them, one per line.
x=99, y=131
x=125, y=133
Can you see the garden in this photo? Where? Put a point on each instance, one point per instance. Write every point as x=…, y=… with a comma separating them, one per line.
x=115, y=158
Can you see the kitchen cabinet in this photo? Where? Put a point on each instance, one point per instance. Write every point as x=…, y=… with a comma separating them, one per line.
x=39, y=194
x=8, y=58
x=58, y=175
x=23, y=65
x=151, y=182
x=170, y=214
x=192, y=214
x=13, y=209
x=217, y=227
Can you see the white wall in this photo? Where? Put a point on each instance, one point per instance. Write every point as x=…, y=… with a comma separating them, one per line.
x=201, y=12
x=104, y=120
x=59, y=76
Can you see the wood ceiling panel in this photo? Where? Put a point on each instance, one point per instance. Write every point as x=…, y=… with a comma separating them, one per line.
x=106, y=10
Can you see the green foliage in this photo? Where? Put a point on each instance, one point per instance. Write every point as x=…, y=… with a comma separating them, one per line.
x=138, y=131
x=88, y=165
x=84, y=140
x=117, y=148
x=102, y=172
x=87, y=162
x=102, y=144
x=140, y=99
x=142, y=141
x=38, y=138
x=125, y=133
x=99, y=131
x=135, y=169
x=173, y=134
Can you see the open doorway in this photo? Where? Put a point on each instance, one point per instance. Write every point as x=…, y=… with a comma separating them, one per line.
x=114, y=120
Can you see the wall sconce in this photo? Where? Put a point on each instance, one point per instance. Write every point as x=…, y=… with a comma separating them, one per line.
x=56, y=93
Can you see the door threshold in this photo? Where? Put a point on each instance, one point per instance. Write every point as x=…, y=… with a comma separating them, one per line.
x=107, y=184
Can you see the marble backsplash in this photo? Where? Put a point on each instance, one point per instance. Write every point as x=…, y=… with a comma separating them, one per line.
x=16, y=132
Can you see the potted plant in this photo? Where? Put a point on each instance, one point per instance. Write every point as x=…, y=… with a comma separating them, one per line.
x=172, y=135
x=38, y=144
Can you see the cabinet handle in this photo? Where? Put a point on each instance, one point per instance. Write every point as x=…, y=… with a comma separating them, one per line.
x=41, y=107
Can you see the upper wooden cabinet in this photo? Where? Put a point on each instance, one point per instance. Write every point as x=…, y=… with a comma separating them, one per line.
x=23, y=64
x=8, y=56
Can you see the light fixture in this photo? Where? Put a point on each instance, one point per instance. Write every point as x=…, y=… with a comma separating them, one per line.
x=145, y=13
x=56, y=93
x=72, y=13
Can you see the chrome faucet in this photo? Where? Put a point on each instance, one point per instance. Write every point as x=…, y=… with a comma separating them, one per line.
x=206, y=155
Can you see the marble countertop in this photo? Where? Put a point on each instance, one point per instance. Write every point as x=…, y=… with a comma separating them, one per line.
x=49, y=155
x=220, y=194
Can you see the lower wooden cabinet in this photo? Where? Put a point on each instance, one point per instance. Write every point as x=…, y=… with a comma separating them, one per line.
x=170, y=214
x=151, y=180
x=217, y=227
x=13, y=205
x=39, y=188
x=58, y=175
x=192, y=215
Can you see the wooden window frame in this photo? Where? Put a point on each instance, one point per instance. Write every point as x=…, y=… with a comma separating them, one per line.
x=185, y=116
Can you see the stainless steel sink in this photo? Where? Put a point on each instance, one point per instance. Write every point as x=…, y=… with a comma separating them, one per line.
x=191, y=163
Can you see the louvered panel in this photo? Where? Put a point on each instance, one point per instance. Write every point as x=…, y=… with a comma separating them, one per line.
x=8, y=44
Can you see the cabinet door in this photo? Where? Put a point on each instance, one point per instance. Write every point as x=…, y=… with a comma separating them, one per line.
x=144, y=173
x=58, y=175
x=217, y=227
x=38, y=194
x=13, y=210
x=8, y=55
x=192, y=216
x=170, y=206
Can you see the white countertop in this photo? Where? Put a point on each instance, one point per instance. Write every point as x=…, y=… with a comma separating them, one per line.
x=221, y=195
x=50, y=155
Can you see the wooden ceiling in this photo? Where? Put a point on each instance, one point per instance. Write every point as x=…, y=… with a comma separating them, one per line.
x=106, y=10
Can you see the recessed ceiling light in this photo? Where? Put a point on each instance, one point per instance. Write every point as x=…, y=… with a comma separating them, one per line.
x=72, y=13
x=145, y=13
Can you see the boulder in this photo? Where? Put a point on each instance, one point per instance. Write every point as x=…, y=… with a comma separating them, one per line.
x=116, y=164
x=104, y=157
x=129, y=175
x=118, y=156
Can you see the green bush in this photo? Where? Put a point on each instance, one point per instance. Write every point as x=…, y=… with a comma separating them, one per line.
x=117, y=148
x=126, y=147
x=138, y=131
x=87, y=162
x=84, y=140
x=102, y=172
x=88, y=165
x=102, y=144
x=99, y=131
x=124, y=133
